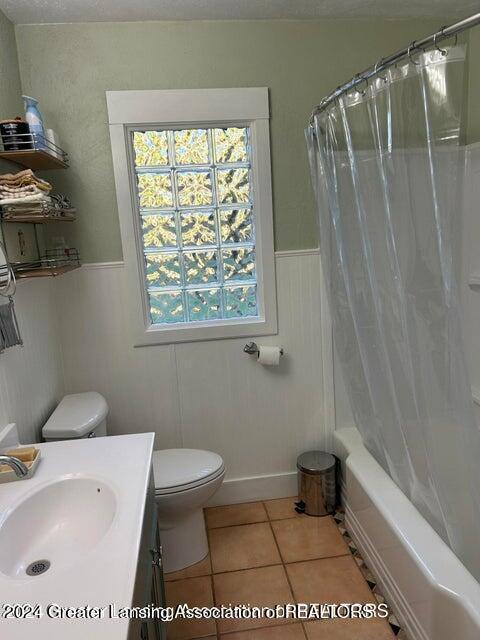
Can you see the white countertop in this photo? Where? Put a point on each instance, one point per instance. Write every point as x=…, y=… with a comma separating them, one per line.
x=107, y=574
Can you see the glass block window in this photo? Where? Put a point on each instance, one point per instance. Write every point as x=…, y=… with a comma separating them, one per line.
x=197, y=223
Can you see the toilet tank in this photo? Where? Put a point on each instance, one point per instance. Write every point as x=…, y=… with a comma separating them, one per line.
x=78, y=415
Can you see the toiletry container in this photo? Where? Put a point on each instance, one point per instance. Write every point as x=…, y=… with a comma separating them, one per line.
x=15, y=135
x=52, y=143
x=35, y=121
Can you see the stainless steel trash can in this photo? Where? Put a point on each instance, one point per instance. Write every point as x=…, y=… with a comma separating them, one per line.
x=317, y=489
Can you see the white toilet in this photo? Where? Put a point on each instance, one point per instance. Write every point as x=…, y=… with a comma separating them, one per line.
x=79, y=415
x=185, y=479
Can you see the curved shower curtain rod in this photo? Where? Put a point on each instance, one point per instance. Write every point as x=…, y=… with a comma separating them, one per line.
x=384, y=63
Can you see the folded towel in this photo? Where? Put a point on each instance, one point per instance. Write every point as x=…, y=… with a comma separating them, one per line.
x=21, y=196
x=24, y=178
x=41, y=184
x=18, y=193
x=18, y=175
x=27, y=181
x=35, y=197
x=26, y=187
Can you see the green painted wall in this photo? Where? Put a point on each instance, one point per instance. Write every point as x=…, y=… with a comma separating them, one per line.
x=68, y=67
x=10, y=92
x=10, y=87
x=11, y=105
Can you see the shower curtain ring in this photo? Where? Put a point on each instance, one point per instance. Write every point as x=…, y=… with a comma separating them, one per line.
x=364, y=91
x=440, y=33
x=411, y=46
x=375, y=70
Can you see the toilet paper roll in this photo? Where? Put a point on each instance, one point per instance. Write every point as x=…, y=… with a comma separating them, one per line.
x=269, y=356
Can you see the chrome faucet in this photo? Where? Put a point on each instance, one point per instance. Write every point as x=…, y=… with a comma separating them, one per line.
x=17, y=465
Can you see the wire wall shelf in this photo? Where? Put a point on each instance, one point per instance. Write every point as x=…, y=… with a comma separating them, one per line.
x=37, y=214
x=55, y=262
x=33, y=150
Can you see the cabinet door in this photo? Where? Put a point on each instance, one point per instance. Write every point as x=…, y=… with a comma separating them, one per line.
x=157, y=628
x=149, y=587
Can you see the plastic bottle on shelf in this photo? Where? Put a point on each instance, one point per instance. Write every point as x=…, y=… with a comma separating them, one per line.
x=35, y=121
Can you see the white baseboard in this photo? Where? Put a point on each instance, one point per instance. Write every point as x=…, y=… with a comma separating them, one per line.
x=388, y=586
x=240, y=490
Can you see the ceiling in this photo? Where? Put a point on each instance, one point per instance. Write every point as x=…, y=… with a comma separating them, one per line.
x=48, y=11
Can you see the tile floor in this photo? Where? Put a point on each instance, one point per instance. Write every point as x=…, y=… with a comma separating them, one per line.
x=264, y=553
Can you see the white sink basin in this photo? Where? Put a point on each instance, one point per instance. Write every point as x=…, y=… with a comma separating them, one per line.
x=92, y=539
x=57, y=525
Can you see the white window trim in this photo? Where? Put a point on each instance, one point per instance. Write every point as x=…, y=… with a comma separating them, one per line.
x=194, y=107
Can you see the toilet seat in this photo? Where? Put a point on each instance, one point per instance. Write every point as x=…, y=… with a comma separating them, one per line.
x=176, y=470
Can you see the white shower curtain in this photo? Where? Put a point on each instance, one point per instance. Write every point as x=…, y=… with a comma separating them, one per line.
x=387, y=172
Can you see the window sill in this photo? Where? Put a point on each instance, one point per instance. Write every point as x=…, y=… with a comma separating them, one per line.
x=198, y=331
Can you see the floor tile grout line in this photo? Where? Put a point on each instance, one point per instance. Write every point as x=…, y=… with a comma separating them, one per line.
x=288, y=579
x=272, y=626
x=262, y=566
x=283, y=565
x=277, y=545
x=212, y=584
x=203, y=575
x=262, y=502
x=242, y=524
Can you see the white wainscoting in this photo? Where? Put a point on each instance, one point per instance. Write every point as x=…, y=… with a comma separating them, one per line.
x=207, y=394
x=31, y=377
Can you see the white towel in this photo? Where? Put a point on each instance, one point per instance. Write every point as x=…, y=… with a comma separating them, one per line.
x=20, y=193
x=36, y=197
x=29, y=187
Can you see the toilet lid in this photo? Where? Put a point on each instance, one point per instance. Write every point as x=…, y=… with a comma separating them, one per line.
x=179, y=469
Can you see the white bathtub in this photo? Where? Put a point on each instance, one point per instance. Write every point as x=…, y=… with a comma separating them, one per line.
x=432, y=593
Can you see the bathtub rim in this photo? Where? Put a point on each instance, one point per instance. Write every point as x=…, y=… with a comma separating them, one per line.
x=435, y=561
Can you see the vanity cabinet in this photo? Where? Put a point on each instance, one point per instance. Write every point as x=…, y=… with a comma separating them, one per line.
x=149, y=583
x=155, y=629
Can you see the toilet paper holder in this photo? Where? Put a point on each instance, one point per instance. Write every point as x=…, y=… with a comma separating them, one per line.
x=252, y=348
